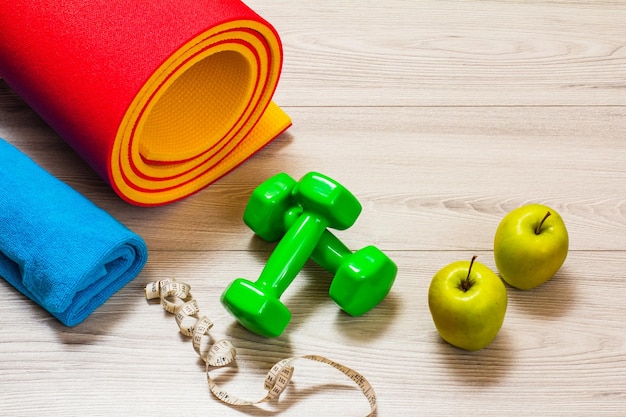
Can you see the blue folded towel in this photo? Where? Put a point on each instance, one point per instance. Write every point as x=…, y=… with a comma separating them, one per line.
x=57, y=247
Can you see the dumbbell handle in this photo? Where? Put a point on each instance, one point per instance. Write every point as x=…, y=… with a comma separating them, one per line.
x=366, y=265
x=292, y=252
x=329, y=251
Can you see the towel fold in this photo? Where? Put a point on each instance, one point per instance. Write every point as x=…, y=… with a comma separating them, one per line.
x=57, y=247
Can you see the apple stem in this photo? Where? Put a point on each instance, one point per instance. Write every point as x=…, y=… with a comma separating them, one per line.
x=467, y=283
x=538, y=228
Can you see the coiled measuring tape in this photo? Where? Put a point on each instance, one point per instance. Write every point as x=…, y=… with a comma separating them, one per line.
x=176, y=298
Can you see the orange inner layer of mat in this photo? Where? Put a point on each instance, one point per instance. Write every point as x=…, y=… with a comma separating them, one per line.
x=206, y=109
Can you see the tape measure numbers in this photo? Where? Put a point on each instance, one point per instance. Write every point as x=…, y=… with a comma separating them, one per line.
x=176, y=298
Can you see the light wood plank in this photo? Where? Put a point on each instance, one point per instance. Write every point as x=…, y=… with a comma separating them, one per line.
x=428, y=178
x=441, y=116
x=561, y=351
x=404, y=52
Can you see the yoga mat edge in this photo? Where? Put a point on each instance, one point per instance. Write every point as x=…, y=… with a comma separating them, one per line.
x=160, y=98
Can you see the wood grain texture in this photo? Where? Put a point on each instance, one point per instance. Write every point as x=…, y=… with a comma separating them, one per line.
x=441, y=116
x=406, y=53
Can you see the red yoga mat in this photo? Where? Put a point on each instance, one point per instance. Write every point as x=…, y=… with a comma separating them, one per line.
x=160, y=97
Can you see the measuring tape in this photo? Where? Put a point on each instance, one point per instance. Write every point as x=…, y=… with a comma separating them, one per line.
x=176, y=298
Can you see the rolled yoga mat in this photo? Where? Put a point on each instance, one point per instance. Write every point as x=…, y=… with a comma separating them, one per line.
x=58, y=248
x=160, y=97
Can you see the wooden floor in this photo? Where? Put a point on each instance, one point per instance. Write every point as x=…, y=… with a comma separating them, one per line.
x=441, y=116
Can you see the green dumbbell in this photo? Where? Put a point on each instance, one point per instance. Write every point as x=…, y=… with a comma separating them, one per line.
x=324, y=203
x=270, y=205
x=361, y=279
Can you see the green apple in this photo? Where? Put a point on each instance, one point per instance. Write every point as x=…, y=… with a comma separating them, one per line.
x=530, y=245
x=467, y=301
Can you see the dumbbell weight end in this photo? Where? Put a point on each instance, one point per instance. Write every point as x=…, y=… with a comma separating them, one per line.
x=244, y=301
x=362, y=279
